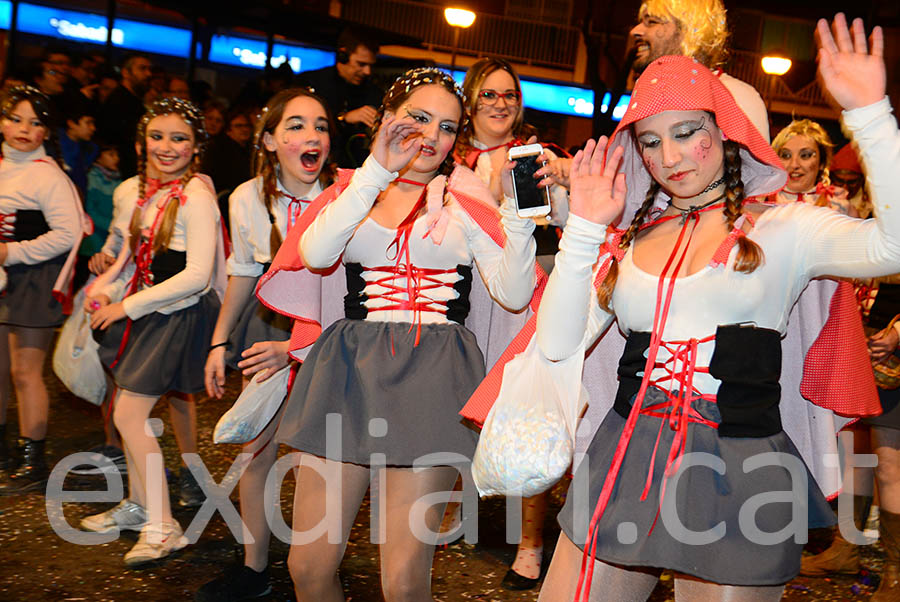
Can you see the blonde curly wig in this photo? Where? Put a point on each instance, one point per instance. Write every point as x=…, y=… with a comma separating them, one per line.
x=701, y=23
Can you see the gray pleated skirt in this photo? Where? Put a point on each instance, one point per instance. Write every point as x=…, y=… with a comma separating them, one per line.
x=402, y=404
x=28, y=298
x=256, y=323
x=164, y=352
x=704, y=500
x=890, y=407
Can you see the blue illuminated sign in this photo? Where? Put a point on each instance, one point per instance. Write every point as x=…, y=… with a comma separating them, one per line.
x=619, y=109
x=91, y=28
x=247, y=52
x=5, y=14
x=158, y=39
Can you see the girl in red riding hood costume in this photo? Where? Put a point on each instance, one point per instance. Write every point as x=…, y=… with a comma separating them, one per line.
x=702, y=284
x=379, y=391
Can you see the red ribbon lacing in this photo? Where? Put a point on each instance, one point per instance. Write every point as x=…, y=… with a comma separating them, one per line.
x=143, y=259
x=152, y=186
x=417, y=279
x=295, y=208
x=4, y=225
x=676, y=411
x=473, y=153
x=865, y=297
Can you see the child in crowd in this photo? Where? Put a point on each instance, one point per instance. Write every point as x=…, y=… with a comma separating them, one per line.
x=40, y=228
x=102, y=180
x=78, y=152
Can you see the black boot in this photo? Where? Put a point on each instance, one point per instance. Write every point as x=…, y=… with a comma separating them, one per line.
x=31, y=475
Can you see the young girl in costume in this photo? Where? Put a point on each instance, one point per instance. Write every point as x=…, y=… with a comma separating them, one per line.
x=155, y=340
x=380, y=390
x=293, y=143
x=41, y=225
x=701, y=368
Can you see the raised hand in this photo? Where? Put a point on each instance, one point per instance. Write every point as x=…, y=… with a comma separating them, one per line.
x=397, y=142
x=597, y=192
x=851, y=72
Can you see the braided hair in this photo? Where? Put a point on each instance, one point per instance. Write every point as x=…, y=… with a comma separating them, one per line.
x=193, y=117
x=750, y=255
x=265, y=162
x=406, y=84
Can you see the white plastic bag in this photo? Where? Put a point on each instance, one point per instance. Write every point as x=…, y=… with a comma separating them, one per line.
x=75, y=359
x=528, y=438
x=254, y=409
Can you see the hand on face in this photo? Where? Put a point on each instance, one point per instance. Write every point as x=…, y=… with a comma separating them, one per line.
x=597, y=192
x=419, y=137
x=396, y=142
x=852, y=72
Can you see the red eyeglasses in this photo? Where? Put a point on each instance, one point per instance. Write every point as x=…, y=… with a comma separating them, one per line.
x=489, y=97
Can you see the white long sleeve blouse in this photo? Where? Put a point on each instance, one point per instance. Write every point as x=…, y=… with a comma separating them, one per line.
x=196, y=233
x=344, y=229
x=800, y=242
x=251, y=225
x=33, y=181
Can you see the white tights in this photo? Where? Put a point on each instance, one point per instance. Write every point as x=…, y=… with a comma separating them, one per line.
x=320, y=507
x=146, y=468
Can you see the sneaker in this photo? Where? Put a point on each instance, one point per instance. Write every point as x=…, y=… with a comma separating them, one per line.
x=190, y=494
x=156, y=542
x=100, y=454
x=234, y=585
x=126, y=516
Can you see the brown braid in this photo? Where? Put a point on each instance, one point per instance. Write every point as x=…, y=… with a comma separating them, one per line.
x=167, y=223
x=135, y=226
x=605, y=290
x=750, y=255
x=192, y=116
x=265, y=162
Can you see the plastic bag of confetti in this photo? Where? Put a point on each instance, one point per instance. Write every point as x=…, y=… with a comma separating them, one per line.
x=254, y=409
x=75, y=360
x=528, y=438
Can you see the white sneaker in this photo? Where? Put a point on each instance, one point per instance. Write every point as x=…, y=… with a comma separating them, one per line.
x=155, y=542
x=127, y=515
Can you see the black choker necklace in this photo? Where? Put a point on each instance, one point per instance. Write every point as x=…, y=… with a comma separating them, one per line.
x=685, y=213
x=713, y=186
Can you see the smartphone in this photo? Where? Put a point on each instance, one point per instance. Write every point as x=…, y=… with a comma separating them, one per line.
x=531, y=201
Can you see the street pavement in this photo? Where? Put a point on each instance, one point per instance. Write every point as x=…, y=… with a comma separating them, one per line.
x=37, y=564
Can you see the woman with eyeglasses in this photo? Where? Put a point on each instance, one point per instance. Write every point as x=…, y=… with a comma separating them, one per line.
x=496, y=124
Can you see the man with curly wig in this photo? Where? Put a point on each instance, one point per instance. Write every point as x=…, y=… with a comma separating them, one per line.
x=698, y=29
